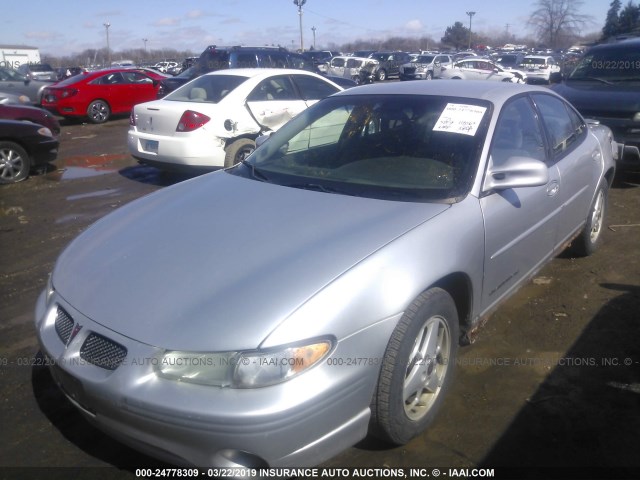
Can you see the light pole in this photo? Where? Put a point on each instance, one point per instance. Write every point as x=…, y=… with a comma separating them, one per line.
x=145, y=40
x=106, y=26
x=471, y=14
x=299, y=4
x=313, y=29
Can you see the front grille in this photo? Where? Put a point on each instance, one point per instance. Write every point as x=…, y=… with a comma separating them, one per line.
x=102, y=352
x=409, y=70
x=64, y=325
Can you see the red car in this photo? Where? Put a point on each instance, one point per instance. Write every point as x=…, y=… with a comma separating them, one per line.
x=98, y=95
x=31, y=114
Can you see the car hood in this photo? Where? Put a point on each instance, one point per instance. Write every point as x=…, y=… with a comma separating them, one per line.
x=218, y=262
x=591, y=98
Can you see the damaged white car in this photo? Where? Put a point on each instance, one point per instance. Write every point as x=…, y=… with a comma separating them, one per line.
x=213, y=121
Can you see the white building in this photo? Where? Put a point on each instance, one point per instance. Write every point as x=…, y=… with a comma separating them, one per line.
x=12, y=56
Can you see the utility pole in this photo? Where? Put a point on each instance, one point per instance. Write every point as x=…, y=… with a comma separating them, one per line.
x=313, y=29
x=299, y=4
x=471, y=14
x=106, y=26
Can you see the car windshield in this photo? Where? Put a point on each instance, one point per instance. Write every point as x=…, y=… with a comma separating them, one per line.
x=9, y=74
x=189, y=73
x=206, y=89
x=531, y=62
x=41, y=67
x=610, y=65
x=508, y=60
x=397, y=147
x=424, y=59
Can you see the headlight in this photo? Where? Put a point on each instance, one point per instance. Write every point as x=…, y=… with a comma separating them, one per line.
x=49, y=291
x=242, y=369
x=421, y=69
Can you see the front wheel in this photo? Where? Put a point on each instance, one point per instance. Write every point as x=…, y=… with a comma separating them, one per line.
x=14, y=163
x=589, y=239
x=98, y=111
x=429, y=75
x=238, y=151
x=382, y=75
x=416, y=369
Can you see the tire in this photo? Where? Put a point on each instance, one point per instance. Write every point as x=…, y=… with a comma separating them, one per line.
x=591, y=236
x=98, y=111
x=416, y=373
x=357, y=79
x=14, y=163
x=382, y=75
x=238, y=151
x=429, y=75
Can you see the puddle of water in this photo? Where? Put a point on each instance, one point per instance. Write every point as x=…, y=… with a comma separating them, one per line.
x=82, y=166
x=73, y=173
x=98, y=193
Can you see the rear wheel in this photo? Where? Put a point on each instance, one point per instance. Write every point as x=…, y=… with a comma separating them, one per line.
x=417, y=368
x=14, y=163
x=589, y=239
x=238, y=151
x=98, y=111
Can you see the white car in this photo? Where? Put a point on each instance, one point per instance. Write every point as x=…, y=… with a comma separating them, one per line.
x=542, y=68
x=213, y=120
x=473, y=68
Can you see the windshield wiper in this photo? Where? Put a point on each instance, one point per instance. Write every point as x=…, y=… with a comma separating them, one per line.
x=321, y=188
x=255, y=173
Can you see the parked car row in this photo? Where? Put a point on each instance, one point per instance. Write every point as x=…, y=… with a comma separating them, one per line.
x=29, y=138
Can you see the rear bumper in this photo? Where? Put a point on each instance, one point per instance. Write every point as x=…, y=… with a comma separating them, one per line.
x=177, y=153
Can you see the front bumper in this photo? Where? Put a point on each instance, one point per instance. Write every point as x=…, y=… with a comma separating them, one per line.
x=300, y=422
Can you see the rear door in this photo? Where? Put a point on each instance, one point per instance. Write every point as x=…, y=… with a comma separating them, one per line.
x=139, y=88
x=274, y=102
x=576, y=154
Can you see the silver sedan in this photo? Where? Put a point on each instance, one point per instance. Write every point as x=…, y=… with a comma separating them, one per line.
x=277, y=312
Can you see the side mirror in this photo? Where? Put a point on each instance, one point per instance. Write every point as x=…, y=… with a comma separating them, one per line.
x=516, y=172
x=262, y=139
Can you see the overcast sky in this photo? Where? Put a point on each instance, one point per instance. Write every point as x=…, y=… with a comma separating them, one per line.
x=66, y=27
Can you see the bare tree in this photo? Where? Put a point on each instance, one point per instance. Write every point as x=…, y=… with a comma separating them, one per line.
x=556, y=22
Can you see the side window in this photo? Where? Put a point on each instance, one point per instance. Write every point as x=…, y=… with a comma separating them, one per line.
x=109, y=79
x=518, y=133
x=337, y=62
x=313, y=88
x=246, y=60
x=135, y=77
x=273, y=89
x=278, y=60
x=560, y=125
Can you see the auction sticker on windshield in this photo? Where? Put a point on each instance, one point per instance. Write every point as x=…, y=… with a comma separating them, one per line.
x=460, y=118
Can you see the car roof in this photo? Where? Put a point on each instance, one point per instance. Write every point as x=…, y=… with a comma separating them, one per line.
x=539, y=56
x=262, y=72
x=496, y=92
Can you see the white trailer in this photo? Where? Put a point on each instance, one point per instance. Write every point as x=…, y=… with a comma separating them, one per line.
x=12, y=56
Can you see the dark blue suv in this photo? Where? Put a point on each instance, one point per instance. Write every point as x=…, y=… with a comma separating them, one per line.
x=605, y=86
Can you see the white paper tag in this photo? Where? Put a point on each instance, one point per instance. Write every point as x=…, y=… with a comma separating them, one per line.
x=460, y=118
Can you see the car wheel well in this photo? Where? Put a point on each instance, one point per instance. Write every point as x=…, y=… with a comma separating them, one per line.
x=458, y=285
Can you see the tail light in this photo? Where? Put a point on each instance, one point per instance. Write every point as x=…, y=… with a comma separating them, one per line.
x=68, y=92
x=191, y=121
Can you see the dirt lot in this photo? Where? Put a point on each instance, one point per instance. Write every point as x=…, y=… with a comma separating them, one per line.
x=551, y=387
